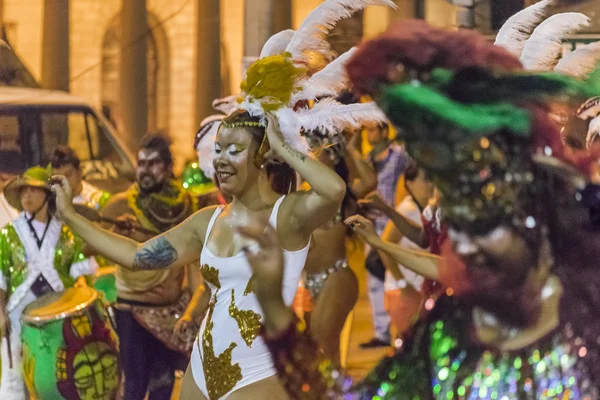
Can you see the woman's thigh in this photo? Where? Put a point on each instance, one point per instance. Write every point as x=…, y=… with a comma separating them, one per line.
x=336, y=300
x=189, y=389
x=266, y=389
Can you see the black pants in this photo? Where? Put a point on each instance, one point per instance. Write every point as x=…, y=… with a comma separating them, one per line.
x=148, y=365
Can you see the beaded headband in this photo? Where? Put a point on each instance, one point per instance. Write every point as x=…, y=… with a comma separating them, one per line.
x=244, y=124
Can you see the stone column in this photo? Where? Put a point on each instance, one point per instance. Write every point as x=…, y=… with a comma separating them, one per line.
x=258, y=28
x=133, y=107
x=208, y=57
x=282, y=15
x=55, y=45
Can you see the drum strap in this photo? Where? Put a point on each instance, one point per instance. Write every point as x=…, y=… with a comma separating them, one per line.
x=41, y=286
x=37, y=238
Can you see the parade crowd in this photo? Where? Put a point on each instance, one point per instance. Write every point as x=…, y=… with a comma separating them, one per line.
x=451, y=162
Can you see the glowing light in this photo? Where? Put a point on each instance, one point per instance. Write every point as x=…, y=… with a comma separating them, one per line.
x=530, y=222
x=429, y=304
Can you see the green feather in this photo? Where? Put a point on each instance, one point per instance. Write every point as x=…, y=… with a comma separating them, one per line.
x=480, y=86
x=411, y=106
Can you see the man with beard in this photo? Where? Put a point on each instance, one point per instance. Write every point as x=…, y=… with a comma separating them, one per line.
x=150, y=302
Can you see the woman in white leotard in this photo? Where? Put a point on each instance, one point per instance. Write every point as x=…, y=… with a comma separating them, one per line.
x=229, y=360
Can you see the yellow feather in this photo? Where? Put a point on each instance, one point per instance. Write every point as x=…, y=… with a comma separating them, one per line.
x=273, y=77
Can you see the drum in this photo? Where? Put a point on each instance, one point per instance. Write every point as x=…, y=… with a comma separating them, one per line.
x=70, y=348
x=106, y=283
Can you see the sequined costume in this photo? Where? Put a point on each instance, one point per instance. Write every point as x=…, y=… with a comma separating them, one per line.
x=441, y=360
x=229, y=353
x=314, y=282
x=479, y=125
x=59, y=260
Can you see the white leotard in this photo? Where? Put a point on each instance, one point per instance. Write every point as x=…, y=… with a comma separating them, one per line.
x=228, y=353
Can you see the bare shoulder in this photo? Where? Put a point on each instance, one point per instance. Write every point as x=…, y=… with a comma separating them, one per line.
x=288, y=217
x=291, y=200
x=201, y=218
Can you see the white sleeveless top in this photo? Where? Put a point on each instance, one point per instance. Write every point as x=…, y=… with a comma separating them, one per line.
x=229, y=353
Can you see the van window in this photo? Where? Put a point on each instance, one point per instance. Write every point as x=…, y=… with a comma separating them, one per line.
x=82, y=131
x=65, y=128
x=11, y=155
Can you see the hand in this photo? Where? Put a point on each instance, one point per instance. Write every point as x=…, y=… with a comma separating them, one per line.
x=64, y=196
x=4, y=323
x=355, y=142
x=126, y=226
x=267, y=264
x=363, y=227
x=373, y=201
x=273, y=131
x=183, y=325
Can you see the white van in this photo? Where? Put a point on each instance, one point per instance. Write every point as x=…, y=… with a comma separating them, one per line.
x=34, y=121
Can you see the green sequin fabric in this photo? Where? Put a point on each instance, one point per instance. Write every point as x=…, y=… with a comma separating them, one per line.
x=13, y=258
x=443, y=362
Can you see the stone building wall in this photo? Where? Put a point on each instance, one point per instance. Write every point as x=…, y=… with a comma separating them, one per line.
x=92, y=22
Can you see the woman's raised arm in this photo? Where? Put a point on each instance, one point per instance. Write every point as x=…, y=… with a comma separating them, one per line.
x=318, y=205
x=174, y=248
x=421, y=262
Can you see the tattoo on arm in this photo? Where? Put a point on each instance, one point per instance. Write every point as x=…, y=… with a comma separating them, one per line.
x=294, y=153
x=157, y=254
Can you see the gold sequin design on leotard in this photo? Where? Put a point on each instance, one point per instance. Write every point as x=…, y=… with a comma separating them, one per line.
x=250, y=286
x=210, y=275
x=248, y=321
x=220, y=373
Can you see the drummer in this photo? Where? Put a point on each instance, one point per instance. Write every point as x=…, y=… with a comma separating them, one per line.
x=38, y=255
x=64, y=161
x=155, y=202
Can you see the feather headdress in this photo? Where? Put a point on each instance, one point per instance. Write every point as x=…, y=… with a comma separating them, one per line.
x=329, y=82
x=278, y=43
x=518, y=28
x=311, y=36
x=205, y=143
x=281, y=82
x=580, y=63
x=544, y=48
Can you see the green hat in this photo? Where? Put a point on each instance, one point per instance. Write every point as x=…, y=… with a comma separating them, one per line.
x=33, y=177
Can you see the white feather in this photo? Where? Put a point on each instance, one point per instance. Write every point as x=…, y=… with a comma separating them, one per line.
x=253, y=106
x=518, y=28
x=332, y=117
x=581, y=62
x=311, y=36
x=277, y=43
x=205, y=149
x=328, y=82
x=543, y=49
x=226, y=105
x=290, y=127
x=593, y=132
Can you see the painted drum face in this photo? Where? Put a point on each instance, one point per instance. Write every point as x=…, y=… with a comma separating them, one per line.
x=70, y=354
